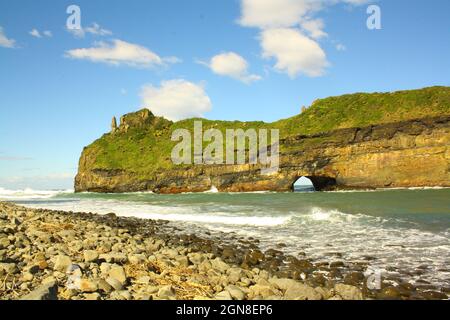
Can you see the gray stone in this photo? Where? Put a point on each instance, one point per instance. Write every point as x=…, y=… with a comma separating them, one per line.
x=62, y=263
x=224, y=295
x=235, y=292
x=166, y=292
x=90, y=256
x=47, y=291
x=114, y=283
x=348, y=292
x=8, y=268
x=219, y=265
x=118, y=273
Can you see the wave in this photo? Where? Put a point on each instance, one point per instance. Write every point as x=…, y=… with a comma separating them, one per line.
x=28, y=193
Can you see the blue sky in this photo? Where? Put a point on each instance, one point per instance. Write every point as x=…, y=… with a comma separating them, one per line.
x=223, y=59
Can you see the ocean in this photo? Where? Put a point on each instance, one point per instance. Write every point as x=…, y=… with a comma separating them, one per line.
x=397, y=231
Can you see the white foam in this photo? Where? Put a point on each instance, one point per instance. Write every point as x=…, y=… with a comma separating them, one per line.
x=316, y=231
x=29, y=193
x=212, y=190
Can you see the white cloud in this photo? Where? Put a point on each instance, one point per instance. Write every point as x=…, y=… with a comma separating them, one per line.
x=341, y=47
x=232, y=65
x=35, y=33
x=266, y=14
x=97, y=30
x=315, y=28
x=176, y=99
x=295, y=53
x=289, y=32
x=5, y=41
x=94, y=29
x=119, y=52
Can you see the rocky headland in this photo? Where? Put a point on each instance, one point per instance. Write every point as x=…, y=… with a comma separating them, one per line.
x=386, y=140
x=49, y=255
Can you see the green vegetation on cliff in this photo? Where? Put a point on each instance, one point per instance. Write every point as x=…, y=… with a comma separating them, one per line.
x=142, y=143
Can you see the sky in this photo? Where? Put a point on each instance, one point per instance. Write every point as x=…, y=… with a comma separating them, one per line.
x=222, y=59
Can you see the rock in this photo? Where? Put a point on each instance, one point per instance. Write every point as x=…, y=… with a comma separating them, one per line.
x=105, y=267
x=114, y=258
x=90, y=256
x=8, y=268
x=324, y=292
x=27, y=276
x=348, y=292
x=166, y=292
x=295, y=290
x=92, y=296
x=235, y=274
x=88, y=285
x=389, y=293
x=182, y=261
x=196, y=258
x=48, y=291
x=354, y=278
x=62, y=263
x=235, y=292
x=301, y=291
x=4, y=243
x=219, y=265
x=224, y=295
x=114, y=283
x=118, y=273
x=104, y=286
x=434, y=295
x=263, y=291
x=137, y=258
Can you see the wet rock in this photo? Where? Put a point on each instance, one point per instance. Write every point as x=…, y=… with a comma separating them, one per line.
x=336, y=264
x=389, y=293
x=434, y=295
x=354, y=278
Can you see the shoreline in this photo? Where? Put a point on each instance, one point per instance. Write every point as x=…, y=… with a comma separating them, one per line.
x=46, y=254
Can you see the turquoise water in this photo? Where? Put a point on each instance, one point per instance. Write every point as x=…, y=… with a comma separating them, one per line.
x=405, y=229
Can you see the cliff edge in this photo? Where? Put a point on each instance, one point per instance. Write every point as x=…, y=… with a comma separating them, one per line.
x=379, y=140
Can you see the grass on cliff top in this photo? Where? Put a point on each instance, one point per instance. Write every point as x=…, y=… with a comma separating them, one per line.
x=147, y=148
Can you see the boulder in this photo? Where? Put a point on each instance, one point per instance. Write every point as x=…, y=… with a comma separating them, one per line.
x=118, y=273
x=47, y=291
x=219, y=265
x=348, y=292
x=62, y=263
x=90, y=256
x=235, y=292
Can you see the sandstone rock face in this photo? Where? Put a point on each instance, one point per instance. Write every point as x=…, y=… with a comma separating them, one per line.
x=414, y=153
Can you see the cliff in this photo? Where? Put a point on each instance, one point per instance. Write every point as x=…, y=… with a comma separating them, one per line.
x=380, y=140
